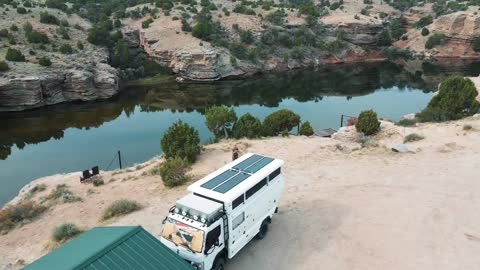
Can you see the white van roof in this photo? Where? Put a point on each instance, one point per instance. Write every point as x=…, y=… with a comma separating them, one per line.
x=232, y=180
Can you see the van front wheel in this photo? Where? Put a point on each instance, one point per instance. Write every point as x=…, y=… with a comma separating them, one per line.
x=263, y=230
x=219, y=264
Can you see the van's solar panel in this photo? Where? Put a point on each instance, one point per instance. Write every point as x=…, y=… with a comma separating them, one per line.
x=230, y=178
x=231, y=183
x=247, y=162
x=217, y=180
x=259, y=165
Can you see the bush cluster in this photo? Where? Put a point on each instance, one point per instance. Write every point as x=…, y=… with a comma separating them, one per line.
x=279, y=121
x=413, y=137
x=48, y=18
x=435, y=40
x=65, y=232
x=14, y=55
x=181, y=140
x=44, y=61
x=174, y=171
x=121, y=208
x=4, y=66
x=456, y=99
x=306, y=129
x=368, y=123
x=247, y=126
x=18, y=214
x=220, y=120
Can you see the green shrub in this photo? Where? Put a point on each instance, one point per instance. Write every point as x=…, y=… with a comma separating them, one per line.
x=146, y=23
x=247, y=126
x=65, y=232
x=277, y=17
x=384, y=39
x=45, y=61
x=3, y=33
x=37, y=37
x=181, y=140
x=413, y=138
x=280, y=121
x=186, y=27
x=242, y=9
x=63, y=31
x=220, y=120
x=14, y=55
x=424, y=21
x=35, y=190
x=121, y=208
x=27, y=27
x=14, y=28
x=246, y=36
x=21, y=10
x=435, y=40
x=174, y=172
x=98, y=182
x=425, y=32
x=66, y=49
x=63, y=194
x=467, y=127
x=476, y=44
x=455, y=100
x=368, y=123
x=407, y=122
x=19, y=214
x=80, y=45
x=306, y=129
x=4, y=66
x=47, y=18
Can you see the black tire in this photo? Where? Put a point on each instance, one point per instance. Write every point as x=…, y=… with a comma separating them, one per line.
x=219, y=264
x=263, y=230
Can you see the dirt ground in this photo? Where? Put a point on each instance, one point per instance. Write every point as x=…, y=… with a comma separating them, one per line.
x=344, y=207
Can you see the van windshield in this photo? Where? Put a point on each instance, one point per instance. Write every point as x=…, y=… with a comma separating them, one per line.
x=183, y=235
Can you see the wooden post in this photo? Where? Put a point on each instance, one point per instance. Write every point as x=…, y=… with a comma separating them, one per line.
x=120, y=159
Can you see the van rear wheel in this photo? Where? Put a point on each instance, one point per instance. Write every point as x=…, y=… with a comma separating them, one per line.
x=263, y=230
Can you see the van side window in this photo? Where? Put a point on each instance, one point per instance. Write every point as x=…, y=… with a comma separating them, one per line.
x=238, y=220
x=274, y=174
x=256, y=188
x=212, y=238
x=238, y=201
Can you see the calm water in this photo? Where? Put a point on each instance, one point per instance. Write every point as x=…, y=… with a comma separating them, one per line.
x=73, y=137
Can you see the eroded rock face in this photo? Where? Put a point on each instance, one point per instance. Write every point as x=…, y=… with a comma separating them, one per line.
x=94, y=82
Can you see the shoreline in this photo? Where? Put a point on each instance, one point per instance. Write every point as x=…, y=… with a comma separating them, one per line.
x=319, y=171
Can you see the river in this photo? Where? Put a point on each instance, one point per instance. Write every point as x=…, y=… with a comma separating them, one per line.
x=76, y=136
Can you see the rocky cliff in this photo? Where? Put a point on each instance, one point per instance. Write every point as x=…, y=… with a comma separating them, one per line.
x=82, y=82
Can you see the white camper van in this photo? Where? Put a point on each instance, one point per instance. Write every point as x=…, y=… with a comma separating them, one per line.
x=224, y=211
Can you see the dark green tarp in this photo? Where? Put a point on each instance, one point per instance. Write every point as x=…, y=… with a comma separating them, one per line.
x=107, y=248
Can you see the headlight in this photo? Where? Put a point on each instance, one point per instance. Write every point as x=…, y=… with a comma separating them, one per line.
x=198, y=266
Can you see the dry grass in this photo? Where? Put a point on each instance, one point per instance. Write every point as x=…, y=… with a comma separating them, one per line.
x=19, y=214
x=121, y=208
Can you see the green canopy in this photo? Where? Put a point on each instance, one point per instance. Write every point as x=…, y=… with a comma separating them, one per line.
x=106, y=248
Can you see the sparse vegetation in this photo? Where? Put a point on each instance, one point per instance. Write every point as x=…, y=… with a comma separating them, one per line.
x=413, y=137
x=65, y=232
x=61, y=194
x=476, y=44
x=66, y=49
x=98, y=182
x=467, y=127
x=48, y=18
x=407, y=122
x=181, y=140
x=121, y=208
x=16, y=215
x=174, y=171
x=425, y=32
x=306, y=129
x=368, y=123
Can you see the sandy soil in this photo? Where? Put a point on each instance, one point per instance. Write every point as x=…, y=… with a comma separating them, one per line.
x=345, y=206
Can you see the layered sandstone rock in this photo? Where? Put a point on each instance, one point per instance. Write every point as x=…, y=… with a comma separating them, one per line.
x=57, y=86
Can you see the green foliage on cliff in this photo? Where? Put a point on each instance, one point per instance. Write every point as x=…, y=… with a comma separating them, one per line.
x=14, y=55
x=476, y=44
x=4, y=66
x=45, y=61
x=435, y=40
x=48, y=18
x=279, y=121
x=66, y=49
x=306, y=129
x=368, y=123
